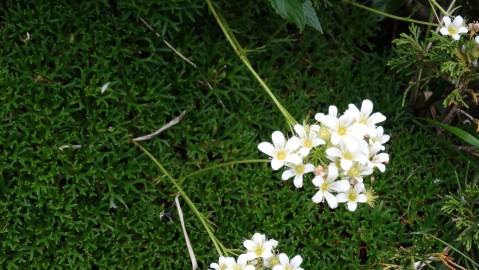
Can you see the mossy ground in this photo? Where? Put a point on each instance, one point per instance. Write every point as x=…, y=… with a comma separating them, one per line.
x=56, y=206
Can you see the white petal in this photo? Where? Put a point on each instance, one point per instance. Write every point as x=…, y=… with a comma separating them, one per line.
x=333, y=152
x=276, y=164
x=278, y=267
x=477, y=39
x=446, y=20
x=332, y=172
x=288, y=174
x=333, y=111
x=293, y=144
x=300, y=130
x=249, y=267
x=319, y=117
x=318, y=181
x=267, y=148
x=346, y=164
x=249, y=244
x=259, y=238
x=340, y=186
x=214, y=266
x=283, y=258
x=456, y=37
x=318, y=197
x=458, y=21
x=377, y=118
x=362, y=198
x=242, y=259
x=308, y=168
x=367, y=107
x=352, y=206
x=462, y=30
x=314, y=128
x=304, y=151
x=331, y=199
x=298, y=181
x=350, y=143
x=296, y=261
x=345, y=120
x=353, y=110
x=295, y=159
x=381, y=167
x=342, y=197
x=330, y=122
x=359, y=187
x=444, y=31
x=335, y=139
x=381, y=157
x=278, y=139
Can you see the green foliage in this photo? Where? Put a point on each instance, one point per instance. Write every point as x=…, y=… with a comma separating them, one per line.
x=463, y=209
x=299, y=12
x=460, y=133
x=430, y=58
x=96, y=207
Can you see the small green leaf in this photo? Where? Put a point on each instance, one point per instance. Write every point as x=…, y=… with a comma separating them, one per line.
x=463, y=135
x=311, y=16
x=301, y=13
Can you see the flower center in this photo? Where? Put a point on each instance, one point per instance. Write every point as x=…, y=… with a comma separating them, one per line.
x=299, y=169
x=281, y=155
x=259, y=250
x=325, y=186
x=347, y=155
x=308, y=143
x=341, y=131
x=352, y=196
x=288, y=267
x=354, y=171
x=363, y=120
x=452, y=29
x=273, y=261
x=324, y=133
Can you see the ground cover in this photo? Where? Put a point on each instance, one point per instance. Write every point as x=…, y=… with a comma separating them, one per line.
x=97, y=207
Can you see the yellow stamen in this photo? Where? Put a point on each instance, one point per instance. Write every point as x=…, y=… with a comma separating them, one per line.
x=281, y=155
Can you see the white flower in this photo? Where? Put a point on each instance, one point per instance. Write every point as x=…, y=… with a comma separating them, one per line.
x=240, y=264
x=346, y=157
x=477, y=39
x=297, y=170
x=286, y=264
x=357, y=171
x=378, y=161
x=353, y=196
x=376, y=142
x=309, y=137
x=271, y=261
x=281, y=150
x=332, y=112
x=258, y=247
x=453, y=29
x=343, y=131
x=366, y=121
x=328, y=185
x=324, y=132
x=222, y=263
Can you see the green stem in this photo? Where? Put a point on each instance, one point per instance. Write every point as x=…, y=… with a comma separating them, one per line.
x=242, y=55
x=212, y=167
x=439, y=7
x=385, y=14
x=219, y=247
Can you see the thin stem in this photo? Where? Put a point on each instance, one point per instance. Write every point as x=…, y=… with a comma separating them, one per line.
x=242, y=55
x=219, y=247
x=385, y=14
x=212, y=167
x=440, y=8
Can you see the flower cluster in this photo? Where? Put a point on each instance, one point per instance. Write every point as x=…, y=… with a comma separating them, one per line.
x=260, y=253
x=457, y=27
x=340, y=150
